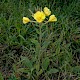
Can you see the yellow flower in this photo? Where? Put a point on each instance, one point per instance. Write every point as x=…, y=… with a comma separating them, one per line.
x=39, y=16
x=52, y=18
x=26, y=20
x=47, y=11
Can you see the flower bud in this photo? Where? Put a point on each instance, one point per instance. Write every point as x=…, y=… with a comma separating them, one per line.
x=26, y=20
x=52, y=18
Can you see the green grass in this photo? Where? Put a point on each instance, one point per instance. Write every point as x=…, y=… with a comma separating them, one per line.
x=20, y=54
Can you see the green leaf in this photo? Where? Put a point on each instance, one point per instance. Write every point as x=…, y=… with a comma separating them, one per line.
x=23, y=70
x=14, y=67
x=1, y=77
x=37, y=66
x=47, y=42
x=26, y=62
x=12, y=78
x=54, y=70
x=58, y=49
x=37, y=31
x=45, y=63
x=76, y=70
x=22, y=37
x=40, y=72
x=44, y=34
x=37, y=44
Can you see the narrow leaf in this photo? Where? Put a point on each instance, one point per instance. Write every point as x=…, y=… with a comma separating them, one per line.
x=26, y=62
x=54, y=70
x=37, y=44
x=1, y=77
x=76, y=69
x=23, y=70
x=47, y=42
x=45, y=63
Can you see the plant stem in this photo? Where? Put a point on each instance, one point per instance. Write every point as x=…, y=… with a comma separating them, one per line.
x=40, y=40
x=40, y=35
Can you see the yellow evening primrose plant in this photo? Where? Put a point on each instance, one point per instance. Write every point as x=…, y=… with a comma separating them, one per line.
x=43, y=37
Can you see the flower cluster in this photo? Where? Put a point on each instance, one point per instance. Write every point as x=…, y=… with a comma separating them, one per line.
x=40, y=16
